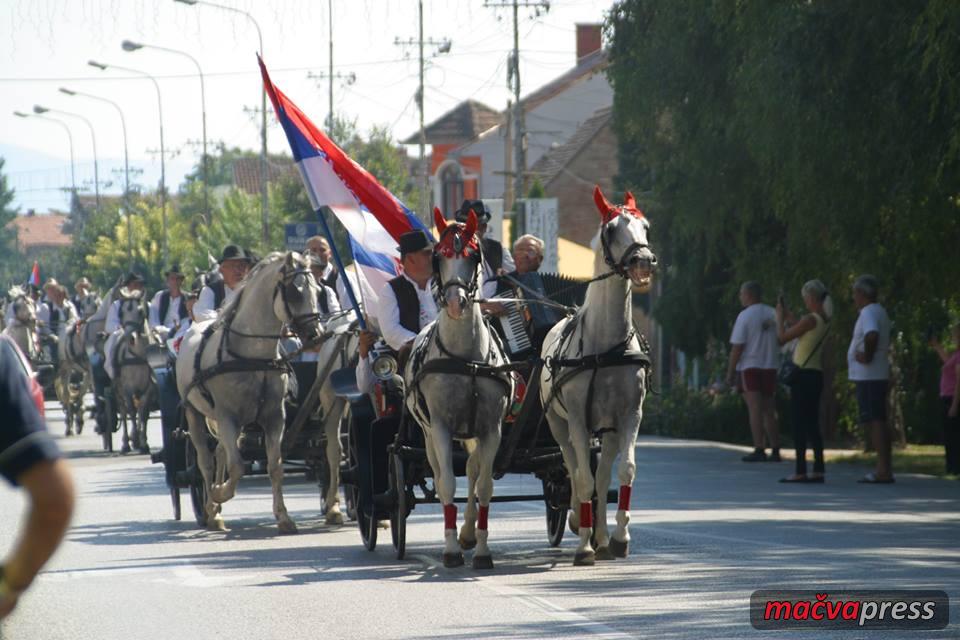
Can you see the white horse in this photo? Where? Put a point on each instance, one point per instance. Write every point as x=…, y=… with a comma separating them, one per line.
x=23, y=328
x=135, y=388
x=230, y=374
x=73, y=379
x=453, y=392
x=595, y=378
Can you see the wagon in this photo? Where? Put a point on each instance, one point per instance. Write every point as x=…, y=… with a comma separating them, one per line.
x=386, y=473
x=304, y=441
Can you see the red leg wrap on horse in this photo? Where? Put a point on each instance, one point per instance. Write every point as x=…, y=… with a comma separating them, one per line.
x=623, y=504
x=449, y=516
x=586, y=515
x=482, y=515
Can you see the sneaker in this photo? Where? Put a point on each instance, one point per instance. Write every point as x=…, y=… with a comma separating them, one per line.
x=756, y=456
x=774, y=457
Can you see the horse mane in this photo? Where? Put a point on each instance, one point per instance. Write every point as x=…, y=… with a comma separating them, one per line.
x=269, y=260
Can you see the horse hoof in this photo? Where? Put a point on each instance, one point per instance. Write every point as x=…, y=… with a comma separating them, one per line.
x=216, y=524
x=383, y=524
x=585, y=559
x=619, y=549
x=286, y=527
x=334, y=518
x=604, y=553
x=467, y=543
x=144, y=450
x=451, y=560
x=125, y=448
x=482, y=562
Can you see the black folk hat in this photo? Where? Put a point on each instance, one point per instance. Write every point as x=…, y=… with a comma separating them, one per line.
x=174, y=270
x=233, y=252
x=413, y=241
x=477, y=206
x=132, y=277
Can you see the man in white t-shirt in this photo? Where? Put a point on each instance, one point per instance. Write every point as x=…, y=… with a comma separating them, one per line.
x=869, y=370
x=753, y=364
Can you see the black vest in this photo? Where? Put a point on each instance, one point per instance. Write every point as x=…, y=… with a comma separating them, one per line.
x=165, y=306
x=492, y=254
x=331, y=280
x=322, y=299
x=407, y=302
x=54, y=324
x=219, y=293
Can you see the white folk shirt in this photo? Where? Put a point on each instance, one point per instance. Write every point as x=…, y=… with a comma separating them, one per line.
x=204, y=310
x=67, y=313
x=872, y=318
x=756, y=330
x=113, y=317
x=388, y=314
x=172, y=320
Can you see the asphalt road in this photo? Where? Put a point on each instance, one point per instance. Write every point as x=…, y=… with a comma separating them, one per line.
x=707, y=531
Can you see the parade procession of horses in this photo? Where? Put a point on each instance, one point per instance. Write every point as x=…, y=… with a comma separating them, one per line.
x=273, y=383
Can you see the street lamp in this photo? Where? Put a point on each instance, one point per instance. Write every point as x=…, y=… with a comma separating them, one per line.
x=73, y=178
x=265, y=227
x=126, y=166
x=38, y=110
x=163, y=162
x=129, y=46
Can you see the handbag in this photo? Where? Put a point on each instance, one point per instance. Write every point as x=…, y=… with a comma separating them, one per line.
x=789, y=371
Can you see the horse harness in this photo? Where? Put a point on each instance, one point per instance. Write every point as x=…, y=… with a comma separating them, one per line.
x=241, y=363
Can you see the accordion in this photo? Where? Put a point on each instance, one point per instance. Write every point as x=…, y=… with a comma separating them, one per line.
x=521, y=321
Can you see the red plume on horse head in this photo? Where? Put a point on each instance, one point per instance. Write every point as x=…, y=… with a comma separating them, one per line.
x=609, y=211
x=439, y=220
x=470, y=228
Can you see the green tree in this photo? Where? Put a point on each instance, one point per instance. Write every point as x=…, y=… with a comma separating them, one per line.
x=9, y=263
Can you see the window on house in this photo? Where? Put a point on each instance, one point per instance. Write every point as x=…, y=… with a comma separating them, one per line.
x=452, y=180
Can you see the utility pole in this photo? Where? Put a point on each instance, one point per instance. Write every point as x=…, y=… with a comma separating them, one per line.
x=513, y=81
x=443, y=46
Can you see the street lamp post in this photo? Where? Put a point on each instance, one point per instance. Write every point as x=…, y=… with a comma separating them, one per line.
x=163, y=162
x=39, y=110
x=126, y=162
x=129, y=45
x=264, y=215
x=73, y=171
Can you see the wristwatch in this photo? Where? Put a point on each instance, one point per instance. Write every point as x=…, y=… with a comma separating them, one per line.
x=6, y=590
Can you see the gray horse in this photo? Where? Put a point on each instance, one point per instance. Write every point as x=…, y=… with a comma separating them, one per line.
x=583, y=400
x=447, y=401
x=229, y=375
x=73, y=379
x=23, y=328
x=134, y=387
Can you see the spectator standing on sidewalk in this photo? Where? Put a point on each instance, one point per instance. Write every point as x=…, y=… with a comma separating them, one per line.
x=29, y=458
x=810, y=332
x=869, y=369
x=753, y=368
x=950, y=399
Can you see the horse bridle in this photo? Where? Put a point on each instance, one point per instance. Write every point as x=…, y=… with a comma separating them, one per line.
x=619, y=267
x=299, y=322
x=440, y=288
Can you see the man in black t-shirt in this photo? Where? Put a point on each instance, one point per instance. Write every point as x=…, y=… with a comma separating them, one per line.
x=29, y=458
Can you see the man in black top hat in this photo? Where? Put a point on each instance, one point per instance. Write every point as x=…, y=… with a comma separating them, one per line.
x=234, y=265
x=496, y=260
x=168, y=309
x=407, y=305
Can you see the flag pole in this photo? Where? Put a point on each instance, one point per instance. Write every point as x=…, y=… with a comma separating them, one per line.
x=321, y=213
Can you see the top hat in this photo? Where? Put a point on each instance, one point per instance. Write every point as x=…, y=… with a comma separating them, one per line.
x=174, y=270
x=413, y=241
x=477, y=206
x=233, y=252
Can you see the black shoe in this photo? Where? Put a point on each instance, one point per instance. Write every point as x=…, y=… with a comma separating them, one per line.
x=756, y=456
x=774, y=457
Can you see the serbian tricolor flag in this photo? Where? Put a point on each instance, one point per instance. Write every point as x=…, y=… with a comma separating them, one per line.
x=35, y=274
x=374, y=217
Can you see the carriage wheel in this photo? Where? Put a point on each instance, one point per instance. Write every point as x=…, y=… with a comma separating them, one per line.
x=401, y=509
x=109, y=420
x=175, y=499
x=556, y=514
x=198, y=488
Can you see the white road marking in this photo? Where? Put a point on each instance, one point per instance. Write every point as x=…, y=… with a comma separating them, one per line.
x=183, y=573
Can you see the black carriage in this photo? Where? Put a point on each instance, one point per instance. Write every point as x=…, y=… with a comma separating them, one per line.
x=386, y=473
x=304, y=440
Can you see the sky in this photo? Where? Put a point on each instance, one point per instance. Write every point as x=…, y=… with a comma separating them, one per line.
x=45, y=45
